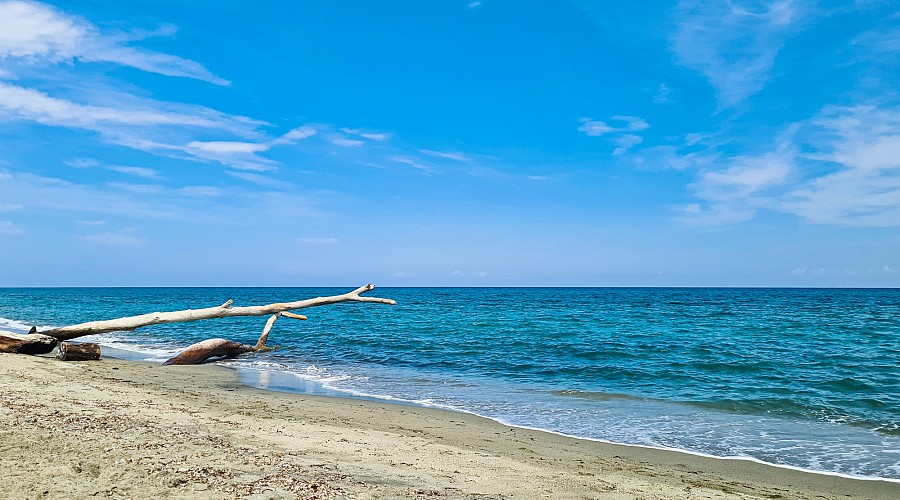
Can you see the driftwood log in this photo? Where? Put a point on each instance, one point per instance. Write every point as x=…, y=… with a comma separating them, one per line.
x=45, y=341
x=32, y=343
x=85, y=351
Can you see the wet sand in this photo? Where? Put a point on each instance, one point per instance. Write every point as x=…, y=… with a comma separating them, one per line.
x=121, y=429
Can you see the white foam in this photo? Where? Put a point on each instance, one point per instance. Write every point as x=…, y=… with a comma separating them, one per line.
x=14, y=325
x=152, y=353
x=331, y=382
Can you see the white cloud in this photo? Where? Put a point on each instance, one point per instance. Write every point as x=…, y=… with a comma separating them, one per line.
x=625, y=142
x=372, y=136
x=449, y=155
x=632, y=123
x=595, y=128
x=91, y=222
x=475, y=4
x=243, y=155
x=82, y=163
x=36, y=34
x=841, y=167
x=877, y=45
x=376, y=136
x=10, y=207
x=663, y=94
x=622, y=136
x=735, y=193
x=147, y=173
x=861, y=145
x=745, y=177
x=39, y=32
x=734, y=43
x=295, y=135
x=30, y=29
x=412, y=163
x=344, y=142
x=29, y=104
x=226, y=147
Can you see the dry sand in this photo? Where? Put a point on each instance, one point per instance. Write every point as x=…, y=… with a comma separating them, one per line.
x=121, y=429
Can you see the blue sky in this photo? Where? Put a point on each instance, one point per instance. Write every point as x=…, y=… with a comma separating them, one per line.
x=450, y=143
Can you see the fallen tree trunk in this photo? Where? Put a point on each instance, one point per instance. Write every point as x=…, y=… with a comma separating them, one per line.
x=226, y=310
x=201, y=352
x=212, y=348
x=43, y=342
x=32, y=343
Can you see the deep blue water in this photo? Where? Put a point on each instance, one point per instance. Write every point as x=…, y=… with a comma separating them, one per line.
x=808, y=378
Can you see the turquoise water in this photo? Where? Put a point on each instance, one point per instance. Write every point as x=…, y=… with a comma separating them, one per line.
x=807, y=378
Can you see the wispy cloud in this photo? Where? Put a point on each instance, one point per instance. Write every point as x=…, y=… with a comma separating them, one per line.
x=29, y=104
x=414, y=163
x=82, y=163
x=625, y=142
x=596, y=128
x=663, y=94
x=372, y=136
x=448, y=155
x=345, y=142
x=622, y=135
x=39, y=32
x=734, y=43
x=734, y=193
x=36, y=35
x=146, y=173
x=841, y=167
x=861, y=145
x=244, y=155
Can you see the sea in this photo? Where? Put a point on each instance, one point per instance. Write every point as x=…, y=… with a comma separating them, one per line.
x=800, y=378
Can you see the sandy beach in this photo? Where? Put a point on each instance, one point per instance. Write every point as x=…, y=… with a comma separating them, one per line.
x=118, y=429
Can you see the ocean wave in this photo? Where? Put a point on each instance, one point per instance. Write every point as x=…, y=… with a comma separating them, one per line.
x=789, y=408
x=142, y=351
x=14, y=325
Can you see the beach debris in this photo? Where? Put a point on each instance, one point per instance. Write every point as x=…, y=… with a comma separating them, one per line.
x=43, y=342
x=31, y=343
x=198, y=353
x=85, y=351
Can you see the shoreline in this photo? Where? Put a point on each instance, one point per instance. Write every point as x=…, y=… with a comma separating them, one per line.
x=318, y=388
x=339, y=394
x=132, y=428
